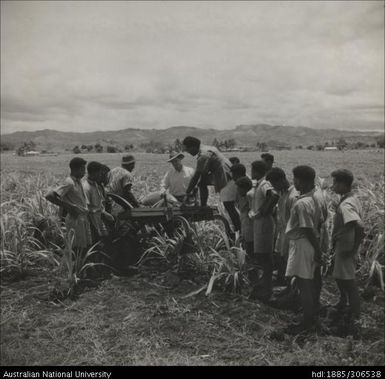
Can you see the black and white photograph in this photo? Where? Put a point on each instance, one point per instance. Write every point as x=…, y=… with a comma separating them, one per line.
x=192, y=183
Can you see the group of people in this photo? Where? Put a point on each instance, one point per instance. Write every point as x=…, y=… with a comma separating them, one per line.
x=269, y=215
x=290, y=221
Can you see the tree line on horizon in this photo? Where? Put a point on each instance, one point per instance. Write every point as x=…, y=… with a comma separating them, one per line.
x=157, y=147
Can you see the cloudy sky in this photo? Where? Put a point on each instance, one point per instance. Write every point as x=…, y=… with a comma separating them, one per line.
x=85, y=66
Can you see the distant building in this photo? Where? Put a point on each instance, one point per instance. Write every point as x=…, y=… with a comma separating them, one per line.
x=331, y=148
x=246, y=148
x=232, y=149
x=31, y=153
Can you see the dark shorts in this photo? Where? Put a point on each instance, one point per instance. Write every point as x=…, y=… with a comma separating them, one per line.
x=264, y=235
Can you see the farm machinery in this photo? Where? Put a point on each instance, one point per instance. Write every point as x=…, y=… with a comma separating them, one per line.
x=135, y=226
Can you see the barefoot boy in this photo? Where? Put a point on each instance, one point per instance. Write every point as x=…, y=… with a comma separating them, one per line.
x=348, y=233
x=304, y=251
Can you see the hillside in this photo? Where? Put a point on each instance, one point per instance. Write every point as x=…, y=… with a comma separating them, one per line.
x=245, y=135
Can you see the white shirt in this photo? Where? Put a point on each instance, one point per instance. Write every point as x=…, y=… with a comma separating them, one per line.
x=176, y=182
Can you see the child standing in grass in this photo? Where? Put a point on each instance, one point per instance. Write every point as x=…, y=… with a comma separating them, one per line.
x=304, y=249
x=99, y=218
x=287, y=197
x=238, y=170
x=71, y=197
x=347, y=236
x=244, y=185
x=263, y=200
x=95, y=201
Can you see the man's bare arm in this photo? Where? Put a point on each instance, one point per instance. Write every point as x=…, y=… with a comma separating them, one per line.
x=358, y=230
x=54, y=198
x=312, y=238
x=268, y=206
x=359, y=235
x=193, y=182
x=164, y=184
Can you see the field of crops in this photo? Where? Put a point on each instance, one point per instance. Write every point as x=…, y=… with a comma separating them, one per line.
x=155, y=317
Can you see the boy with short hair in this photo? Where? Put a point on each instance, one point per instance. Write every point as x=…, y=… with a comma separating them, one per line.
x=105, y=170
x=71, y=197
x=238, y=170
x=263, y=200
x=244, y=185
x=304, y=249
x=230, y=192
x=234, y=160
x=287, y=197
x=99, y=218
x=348, y=233
x=95, y=200
x=268, y=159
x=212, y=168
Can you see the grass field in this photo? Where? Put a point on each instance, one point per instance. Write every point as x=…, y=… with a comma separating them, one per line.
x=364, y=163
x=147, y=319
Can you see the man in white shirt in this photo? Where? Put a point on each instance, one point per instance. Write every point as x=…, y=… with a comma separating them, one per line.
x=178, y=178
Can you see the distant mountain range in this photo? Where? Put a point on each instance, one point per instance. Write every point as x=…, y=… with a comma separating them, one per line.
x=244, y=135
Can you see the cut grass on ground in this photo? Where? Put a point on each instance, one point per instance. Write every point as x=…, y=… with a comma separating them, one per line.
x=145, y=320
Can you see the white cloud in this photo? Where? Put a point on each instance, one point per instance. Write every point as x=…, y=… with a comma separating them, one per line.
x=111, y=65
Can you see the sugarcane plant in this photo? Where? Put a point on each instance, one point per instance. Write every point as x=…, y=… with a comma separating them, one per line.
x=76, y=265
x=20, y=251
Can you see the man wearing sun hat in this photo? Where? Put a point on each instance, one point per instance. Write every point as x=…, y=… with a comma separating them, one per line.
x=120, y=180
x=178, y=177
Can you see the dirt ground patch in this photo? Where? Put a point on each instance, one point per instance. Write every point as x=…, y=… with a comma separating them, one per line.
x=147, y=320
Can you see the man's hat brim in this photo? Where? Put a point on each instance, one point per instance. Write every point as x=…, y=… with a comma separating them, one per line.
x=179, y=155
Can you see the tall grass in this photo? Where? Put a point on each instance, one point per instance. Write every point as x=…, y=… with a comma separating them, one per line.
x=164, y=248
x=203, y=249
x=22, y=213
x=372, y=255
x=20, y=251
x=74, y=265
x=24, y=245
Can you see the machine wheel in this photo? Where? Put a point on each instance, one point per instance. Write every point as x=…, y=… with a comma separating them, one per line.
x=125, y=253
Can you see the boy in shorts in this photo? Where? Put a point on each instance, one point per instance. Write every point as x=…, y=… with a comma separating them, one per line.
x=71, y=197
x=263, y=200
x=303, y=231
x=348, y=233
x=287, y=197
